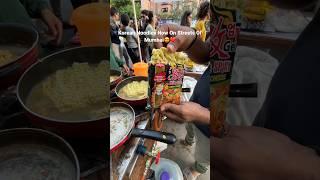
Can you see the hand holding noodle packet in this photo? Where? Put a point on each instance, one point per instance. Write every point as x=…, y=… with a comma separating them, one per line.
x=166, y=76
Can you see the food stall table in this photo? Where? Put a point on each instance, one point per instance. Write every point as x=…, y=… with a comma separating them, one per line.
x=140, y=166
x=125, y=160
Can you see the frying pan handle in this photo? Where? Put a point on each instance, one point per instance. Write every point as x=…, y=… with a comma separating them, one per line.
x=164, y=137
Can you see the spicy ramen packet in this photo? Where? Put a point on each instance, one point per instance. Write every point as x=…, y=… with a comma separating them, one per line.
x=165, y=79
x=224, y=29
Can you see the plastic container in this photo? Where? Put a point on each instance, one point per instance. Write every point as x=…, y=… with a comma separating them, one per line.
x=167, y=170
x=92, y=22
x=140, y=69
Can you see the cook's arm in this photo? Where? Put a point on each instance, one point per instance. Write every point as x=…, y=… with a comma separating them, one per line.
x=203, y=116
x=118, y=61
x=186, y=112
x=199, y=52
x=258, y=153
x=34, y=7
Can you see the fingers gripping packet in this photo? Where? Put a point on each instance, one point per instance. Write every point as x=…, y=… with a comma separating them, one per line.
x=224, y=29
x=166, y=72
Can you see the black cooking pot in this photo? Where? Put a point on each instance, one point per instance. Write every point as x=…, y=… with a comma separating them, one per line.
x=27, y=153
x=117, y=73
x=132, y=102
x=22, y=41
x=38, y=72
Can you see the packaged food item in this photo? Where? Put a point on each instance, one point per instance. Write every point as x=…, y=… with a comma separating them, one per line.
x=224, y=29
x=166, y=72
x=159, y=79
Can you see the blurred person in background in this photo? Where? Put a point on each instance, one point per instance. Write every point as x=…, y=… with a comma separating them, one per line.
x=143, y=20
x=132, y=23
x=118, y=64
x=202, y=17
x=186, y=19
x=22, y=11
x=151, y=29
x=158, y=21
x=131, y=37
x=114, y=32
x=142, y=27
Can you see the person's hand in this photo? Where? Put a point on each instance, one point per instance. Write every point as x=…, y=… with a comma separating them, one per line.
x=186, y=112
x=126, y=69
x=181, y=43
x=251, y=153
x=54, y=24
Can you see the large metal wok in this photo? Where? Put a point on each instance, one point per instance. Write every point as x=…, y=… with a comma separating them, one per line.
x=49, y=65
x=27, y=153
x=117, y=73
x=21, y=41
x=135, y=132
x=132, y=102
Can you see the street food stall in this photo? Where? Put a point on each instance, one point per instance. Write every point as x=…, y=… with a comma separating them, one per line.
x=164, y=79
x=53, y=108
x=133, y=157
x=142, y=93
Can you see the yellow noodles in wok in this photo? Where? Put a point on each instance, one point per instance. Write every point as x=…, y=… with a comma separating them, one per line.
x=134, y=90
x=77, y=87
x=113, y=78
x=6, y=56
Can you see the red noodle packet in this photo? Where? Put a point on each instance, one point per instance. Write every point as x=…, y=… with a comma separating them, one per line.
x=224, y=29
x=165, y=83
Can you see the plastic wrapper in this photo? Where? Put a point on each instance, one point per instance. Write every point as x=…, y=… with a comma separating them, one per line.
x=225, y=29
x=166, y=72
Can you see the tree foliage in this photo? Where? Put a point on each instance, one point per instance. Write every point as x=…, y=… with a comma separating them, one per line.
x=125, y=7
x=181, y=6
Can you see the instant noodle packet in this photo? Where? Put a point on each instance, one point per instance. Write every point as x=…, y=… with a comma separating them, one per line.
x=224, y=29
x=166, y=72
